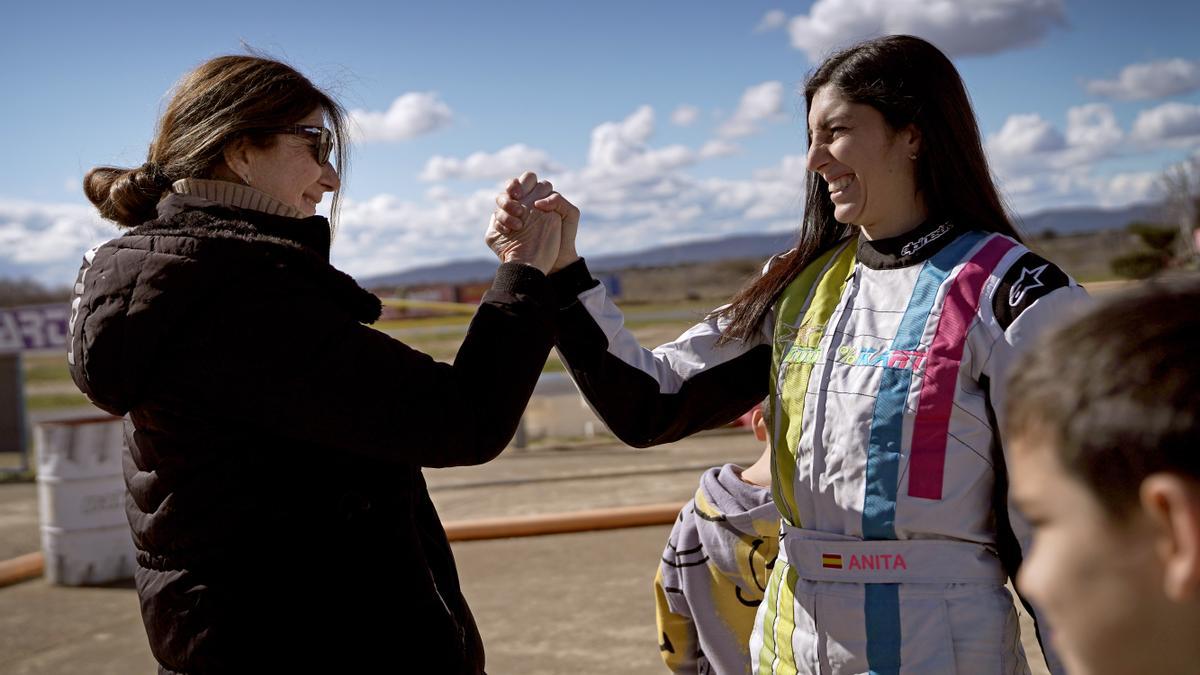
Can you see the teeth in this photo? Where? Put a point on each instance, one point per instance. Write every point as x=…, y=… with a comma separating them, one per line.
x=841, y=183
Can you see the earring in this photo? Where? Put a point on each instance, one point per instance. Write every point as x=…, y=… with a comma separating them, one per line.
x=246, y=179
x=913, y=156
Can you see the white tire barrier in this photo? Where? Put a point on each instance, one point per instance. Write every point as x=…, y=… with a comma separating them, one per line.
x=81, y=501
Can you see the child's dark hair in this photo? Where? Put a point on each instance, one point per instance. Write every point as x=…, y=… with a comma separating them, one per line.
x=1116, y=392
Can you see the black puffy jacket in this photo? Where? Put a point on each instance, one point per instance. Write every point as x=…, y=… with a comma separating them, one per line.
x=275, y=444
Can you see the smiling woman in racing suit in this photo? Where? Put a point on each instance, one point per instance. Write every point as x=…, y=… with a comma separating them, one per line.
x=882, y=340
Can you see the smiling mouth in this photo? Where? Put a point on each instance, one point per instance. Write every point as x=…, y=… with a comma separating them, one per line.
x=841, y=183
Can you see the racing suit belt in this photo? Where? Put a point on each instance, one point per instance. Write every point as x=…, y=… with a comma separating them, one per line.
x=824, y=556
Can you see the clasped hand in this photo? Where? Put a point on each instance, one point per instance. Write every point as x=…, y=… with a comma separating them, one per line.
x=534, y=225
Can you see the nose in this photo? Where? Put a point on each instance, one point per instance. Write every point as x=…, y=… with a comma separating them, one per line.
x=330, y=181
x=818, y=155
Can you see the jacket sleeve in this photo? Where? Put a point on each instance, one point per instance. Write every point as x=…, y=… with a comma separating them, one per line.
x=648, y=397
x=678, y=641
x=1024, y=304
x=340, y=383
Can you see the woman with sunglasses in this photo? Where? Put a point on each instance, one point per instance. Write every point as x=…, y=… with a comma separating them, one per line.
x=275, y=442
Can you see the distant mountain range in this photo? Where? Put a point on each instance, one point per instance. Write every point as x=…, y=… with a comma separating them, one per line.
x=1058, y=221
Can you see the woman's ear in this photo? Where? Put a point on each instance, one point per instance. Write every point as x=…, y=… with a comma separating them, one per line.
x=1172, y=502
x=237, y=156
x=911, y=136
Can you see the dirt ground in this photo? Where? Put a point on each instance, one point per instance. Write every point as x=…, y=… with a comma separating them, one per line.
x=553, y=605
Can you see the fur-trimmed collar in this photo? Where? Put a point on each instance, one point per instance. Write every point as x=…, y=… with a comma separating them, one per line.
x=302, y=241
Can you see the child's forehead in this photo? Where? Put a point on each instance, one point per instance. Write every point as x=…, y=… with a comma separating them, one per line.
x=1035, y=467
x=1035, y=442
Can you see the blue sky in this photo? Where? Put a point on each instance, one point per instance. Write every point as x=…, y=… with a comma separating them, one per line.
x=664, y=121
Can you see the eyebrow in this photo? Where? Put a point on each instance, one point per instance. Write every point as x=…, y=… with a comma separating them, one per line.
x=835, y=119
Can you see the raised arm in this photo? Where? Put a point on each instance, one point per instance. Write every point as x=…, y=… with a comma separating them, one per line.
x=645, y=396
x=276, y=346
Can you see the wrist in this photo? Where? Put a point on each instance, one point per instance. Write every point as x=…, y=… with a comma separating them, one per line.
x=564, y=259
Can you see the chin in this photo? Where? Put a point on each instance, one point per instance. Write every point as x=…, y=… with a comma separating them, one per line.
x=844, y=214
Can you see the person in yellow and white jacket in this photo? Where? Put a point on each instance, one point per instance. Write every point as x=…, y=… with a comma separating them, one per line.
x=715, y=568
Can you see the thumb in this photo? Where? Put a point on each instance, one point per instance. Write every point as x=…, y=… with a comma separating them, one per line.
x=556, y=203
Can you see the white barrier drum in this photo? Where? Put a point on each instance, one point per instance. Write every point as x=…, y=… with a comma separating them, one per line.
x=81, y=501
x=558, y=410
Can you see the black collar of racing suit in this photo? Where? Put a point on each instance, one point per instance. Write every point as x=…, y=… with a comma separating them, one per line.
x=913, y=247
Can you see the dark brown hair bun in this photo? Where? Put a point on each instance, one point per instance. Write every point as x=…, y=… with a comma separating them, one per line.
x=126, y=196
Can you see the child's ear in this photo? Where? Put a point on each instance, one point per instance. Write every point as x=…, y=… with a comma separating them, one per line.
x=759, y=424
x=1173, y=503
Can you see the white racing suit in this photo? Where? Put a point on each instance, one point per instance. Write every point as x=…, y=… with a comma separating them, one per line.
x=885, y=362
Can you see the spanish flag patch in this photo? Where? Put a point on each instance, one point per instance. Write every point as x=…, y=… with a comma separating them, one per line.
x=831, y=560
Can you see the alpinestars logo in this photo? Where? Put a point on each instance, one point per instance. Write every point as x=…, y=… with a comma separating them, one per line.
x=1029, y=280
x=914, y=246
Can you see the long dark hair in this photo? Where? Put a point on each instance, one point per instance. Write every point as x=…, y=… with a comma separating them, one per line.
x=909, y=81
x=222, y=100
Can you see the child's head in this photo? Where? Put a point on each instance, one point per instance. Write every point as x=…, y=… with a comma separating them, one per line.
x=1103, y=417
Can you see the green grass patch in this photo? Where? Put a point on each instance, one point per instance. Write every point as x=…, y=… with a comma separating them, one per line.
x=401, y=324
x=14, y=476
x=1094, y=277
x=677, y=326
x=45, y=367
x=43, y=372
x=55, y=401
x=701, y=307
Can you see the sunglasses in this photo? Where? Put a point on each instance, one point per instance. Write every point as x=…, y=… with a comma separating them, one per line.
x=323, y=146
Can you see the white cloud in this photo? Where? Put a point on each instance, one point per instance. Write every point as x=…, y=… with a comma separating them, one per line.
x=958, y=27
x=759, y=103
x=619, y=150
x=1080, y=186
x=1154, y=79
x=1036, y=165
x=1039, y=168
x=1167, y=123
x=1028, y=142
x=718, y=148
x=47, y=240
x=633, y=194
x=685, y=115
x=411, y=115
x=1093, y=126
x=792, y=169
x=1025, y=134
x=615, y=143
x=504, y=163
x=1128, y=188
x=773, y=19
